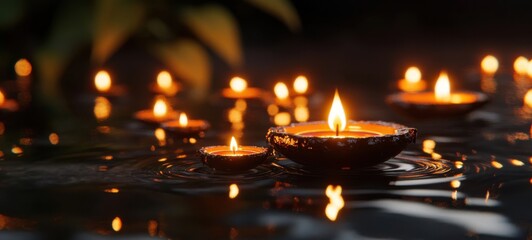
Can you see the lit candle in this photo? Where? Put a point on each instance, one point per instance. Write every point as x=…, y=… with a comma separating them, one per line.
x=281, y=93
x=238, y=89
x=528, y=99
x=161, y=112
x=301, y=85
x=184, y=127
x=521, y=65
x=165, y=84
x=104, y=85
x=412, y=81
x=7, y=105
x=489, y=65
x=233, y=158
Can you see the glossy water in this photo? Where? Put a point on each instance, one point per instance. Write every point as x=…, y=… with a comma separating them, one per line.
x=476, y=181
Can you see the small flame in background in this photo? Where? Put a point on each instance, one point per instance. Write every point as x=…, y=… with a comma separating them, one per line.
x=336, y=201
x=116, y=224
x=455, y=183
x=442, y=89
x=164, y=80
x=2, y=98
x=53, y=138
x=521, y=65
x=238, y=84
x=337, y=118
x=160, y=108
x=281, y=90
x=413, y=75
x=102, y=81
x=233, y=191
x=489, y=64
x=301, y=84
x=160, y=134
x=528, y=99
x=282, y=119
x=183, y=120
x=23, y=67
x=102, y=108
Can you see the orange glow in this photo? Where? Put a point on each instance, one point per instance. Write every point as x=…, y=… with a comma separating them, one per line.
x=2, y=98
x=458, y=164
x=152, y=227
x=486, y=199
x=116, y=224
x=272, y=109
x=238, y=84
x=160, y=108
x=164, y=80
x=160, y=134
x=516, y=162
x=455, y=183
x=183, y=120
x=241, y=105
x=301, y=84
x=489, y=64
x=23, y=67
x=235, y=116
x=521, y=65
x=336, y=201
x=528, y=98
x=233, y=147
x=442, y=90
x=281, y=90
x=529, y=69
x=54, y=138
x=337, y=120
x=301, y=114
x=428, y=146
x=102, y=108
x=16, y=150
x=436, y=156
x=496, y=164
x=233, y=191
x=282, y=119
x=112, y=190
x=102, y=81
x=413, y=75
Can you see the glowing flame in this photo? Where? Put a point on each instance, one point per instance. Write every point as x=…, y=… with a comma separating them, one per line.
x=23, y=67
x=102, y=81
x=238, y=84
x=428, y=146
x=413, y=75
x=160, y=108
x=282, y=119
x=102, y=108
x=496, y=164
x=53, y=138
x=521, y=65
x=112, y=190
x=233, y=146
x=455, y=183
x=116, y=224
x=281, y=90
x=336, y=201
x=233, y=191
x=164, y=80
x=516, y=162
x=183, y=120
x=241, y=105
x=160, y=134
x=301, y=114
x=2, y=98
x=528, y=98
x=442, y=90
x=489, y=64
x=301, y=84
x=337, y=120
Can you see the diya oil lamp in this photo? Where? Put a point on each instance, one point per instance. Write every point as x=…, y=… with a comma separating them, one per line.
x=165, y=85
x=104, y=85
x=233, y=158
x=161, y=112
x=7, y=105
x=238, y=89
x=184, y=127
x=412, y=81
x=438, y=104
x=339, y=143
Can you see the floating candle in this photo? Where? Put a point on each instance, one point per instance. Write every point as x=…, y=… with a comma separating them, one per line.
x=521, y=65
x=239, y=90
x=184, y=127
x=338, y=143
x=489, y=65
x=104, y=85
x=233, y=158
x=412, y=81
x=301, y=85
x=161, y=112
x=165, y=84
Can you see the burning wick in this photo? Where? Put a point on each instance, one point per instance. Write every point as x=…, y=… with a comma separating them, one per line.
x=337, y=120
x=233, y=146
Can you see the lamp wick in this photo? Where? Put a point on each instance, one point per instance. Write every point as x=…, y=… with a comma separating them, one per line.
x=337, y=129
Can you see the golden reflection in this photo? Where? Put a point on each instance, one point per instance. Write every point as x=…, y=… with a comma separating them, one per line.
x=282, y=119
x=489, y=65
x=428, y=146
x=442, y=89
x=436, y=156
x=160, y=134
x=160, y=108
x=301, y=84
x=183, y=120
x=234, y=116
x=458, y=164
x=164, y=80
x=116, y=224
x=281, y=90
x=53, y=138
x=301, y=114
x=516, y=162
x=496, y=164
x=528, y=99
x=192, y=140
x=102, y=108
x=153, y=228
x=112, y=190
x=233, y=191
x=238, y=126
x=529, y=69
x=16, y=150
x=102, y=81
x=238, y=84
x=454, y=195
x=272, y=109
x=241, y=105
x=23, y=67
x=486, y=199
x=336, y=201
x=521, y=65
x=337, y=120
x=455, y=183
x=300, y=101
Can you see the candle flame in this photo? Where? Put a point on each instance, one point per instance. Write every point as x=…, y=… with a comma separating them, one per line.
x=160, y=108
x=520, y=65
x=102, y=108
x=160, y=134
x=233, y=146
x=183, y=120
x=281, y=90
x=455, y=183
x=489, y=64
x=336, y=201
x=102, y=81
x=238, y=84
x=413, y=75
x=164, y=80
x=2, y=98
x=442, y=90
x=233, y=191
x=337, y=120
x=528, y=98
x=23, y=67
x=116, y=224
x=301, y=84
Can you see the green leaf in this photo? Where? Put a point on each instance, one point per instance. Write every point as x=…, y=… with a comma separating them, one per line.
x=188, y=60
x=10, y=12
x=215, y=26
x=282, y=9
x=115, y=21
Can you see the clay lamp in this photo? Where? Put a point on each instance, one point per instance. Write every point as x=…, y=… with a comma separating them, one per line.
x=412, y=81
x=165, y=85
x=161, y=112
x=238, y=89
x=105, y=87
x=184, y=127
x=438, y=104
x=233, y=158
x=338, y=143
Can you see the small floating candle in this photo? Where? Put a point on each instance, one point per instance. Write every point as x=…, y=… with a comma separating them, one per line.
x=233, y=158
x=239, y=90
x=104, y=85
x=520, y=66
x=7, y=105
x=412, y=81
x=300, y=85
x=184, y=127
x=440, y=103
x=165, y=84
x=489, y=65
x=338, y=143
x=161, y=112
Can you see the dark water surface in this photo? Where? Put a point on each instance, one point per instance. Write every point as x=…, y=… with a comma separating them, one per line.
x=476, y=181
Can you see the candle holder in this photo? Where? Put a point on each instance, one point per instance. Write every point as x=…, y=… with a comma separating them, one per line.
x=234, y=158
x=424, y=105
x=361, y=144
